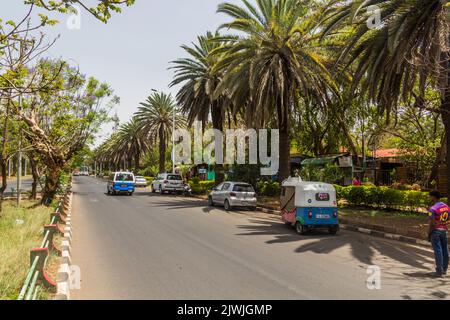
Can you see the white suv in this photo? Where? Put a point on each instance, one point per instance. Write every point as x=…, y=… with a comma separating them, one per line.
x=168, y=182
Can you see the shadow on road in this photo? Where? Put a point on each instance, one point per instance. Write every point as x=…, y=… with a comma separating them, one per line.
x=362, y=247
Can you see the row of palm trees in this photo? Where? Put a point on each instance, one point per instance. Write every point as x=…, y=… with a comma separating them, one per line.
x=152, y=123
x=272, y=55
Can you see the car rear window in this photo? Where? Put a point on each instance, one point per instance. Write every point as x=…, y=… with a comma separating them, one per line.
x=125, y=177
x=243, y=188
x=174, y=178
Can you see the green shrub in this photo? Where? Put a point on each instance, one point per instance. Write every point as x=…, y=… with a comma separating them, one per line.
x=383, y=196
x=201, y=187
x=391, y=197
x=268, y=188
x=356, y=195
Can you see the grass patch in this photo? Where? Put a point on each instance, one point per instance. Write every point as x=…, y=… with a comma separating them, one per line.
x=21, y=229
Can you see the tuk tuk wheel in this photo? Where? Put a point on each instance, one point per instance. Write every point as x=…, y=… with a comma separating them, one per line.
x=301, y=229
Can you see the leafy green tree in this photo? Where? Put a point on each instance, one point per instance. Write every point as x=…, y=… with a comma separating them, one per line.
x=62, y=119
x=100, y=9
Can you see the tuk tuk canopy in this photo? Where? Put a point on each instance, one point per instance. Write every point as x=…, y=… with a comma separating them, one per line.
x=302, y=194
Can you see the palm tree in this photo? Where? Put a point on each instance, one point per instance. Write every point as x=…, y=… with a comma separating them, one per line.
x=132, y=142
x=155, y=118
x=276, y=61
x=196, y=96
x=398, y=59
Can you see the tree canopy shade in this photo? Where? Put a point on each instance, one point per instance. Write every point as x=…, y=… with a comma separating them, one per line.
x=397, y=59
x=272, y=64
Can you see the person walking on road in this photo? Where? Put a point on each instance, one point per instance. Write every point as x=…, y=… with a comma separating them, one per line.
x=438, y=232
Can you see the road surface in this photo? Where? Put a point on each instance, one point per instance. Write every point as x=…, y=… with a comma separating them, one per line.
x=163, y=247
x=25, y=183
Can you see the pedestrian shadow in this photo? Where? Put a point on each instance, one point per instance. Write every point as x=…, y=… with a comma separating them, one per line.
x=364, y=248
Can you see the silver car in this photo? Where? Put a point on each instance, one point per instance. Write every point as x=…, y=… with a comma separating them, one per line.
x=232, y=195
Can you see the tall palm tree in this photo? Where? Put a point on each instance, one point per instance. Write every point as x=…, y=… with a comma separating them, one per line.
x=155, y=118
x=272, y=64
x=132, y=142
x=196, y=97
x=399, y=58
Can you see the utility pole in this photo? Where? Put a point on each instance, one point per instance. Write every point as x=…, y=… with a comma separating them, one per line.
x=173, y=140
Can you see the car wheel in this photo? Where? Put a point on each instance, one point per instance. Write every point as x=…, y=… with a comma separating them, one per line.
x=210, y=201
x=301, y=229
x=227, y=205
x=333, y=230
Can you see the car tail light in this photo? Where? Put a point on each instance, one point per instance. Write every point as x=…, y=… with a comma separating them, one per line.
x=310, y=214
x=232, y=194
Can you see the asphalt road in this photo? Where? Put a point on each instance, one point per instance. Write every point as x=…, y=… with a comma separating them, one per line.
x=163, y=247
x=26, y=183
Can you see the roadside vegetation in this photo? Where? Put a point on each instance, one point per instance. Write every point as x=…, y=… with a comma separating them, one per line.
x=21, y=229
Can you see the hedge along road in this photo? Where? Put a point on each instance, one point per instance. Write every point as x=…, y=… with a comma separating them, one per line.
x=163, y=247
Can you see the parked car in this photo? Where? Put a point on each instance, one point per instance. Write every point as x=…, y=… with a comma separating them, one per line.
x=141, y=182
x=232, y=195
x=168, y=182
x=121, y=182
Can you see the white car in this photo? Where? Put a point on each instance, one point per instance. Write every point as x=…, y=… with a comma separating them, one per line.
x=140, y=182
x=168, y=182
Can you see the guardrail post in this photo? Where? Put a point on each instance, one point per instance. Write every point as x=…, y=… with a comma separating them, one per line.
x=52, y=229
x=42, y=253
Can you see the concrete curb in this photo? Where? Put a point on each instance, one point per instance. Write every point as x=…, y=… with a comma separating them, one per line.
x=63, y=279
x=385, y=235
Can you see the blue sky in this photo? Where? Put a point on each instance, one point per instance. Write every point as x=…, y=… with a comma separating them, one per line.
x=131, y=52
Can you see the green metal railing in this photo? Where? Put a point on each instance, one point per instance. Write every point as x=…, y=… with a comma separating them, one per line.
x=39, y=256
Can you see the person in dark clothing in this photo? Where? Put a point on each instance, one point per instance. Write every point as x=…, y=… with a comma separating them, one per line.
x=438, y=232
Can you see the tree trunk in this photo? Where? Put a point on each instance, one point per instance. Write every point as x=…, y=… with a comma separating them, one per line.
x=4, y=173
x=4, y=158
x=445, y=110
x=285, y=140
x=35, y=175
x=51, y=184
x=162, y=150
x=217, y=120
x=137, y=160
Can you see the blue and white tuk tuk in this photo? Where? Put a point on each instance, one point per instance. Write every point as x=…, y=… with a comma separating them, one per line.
x=309, y=205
